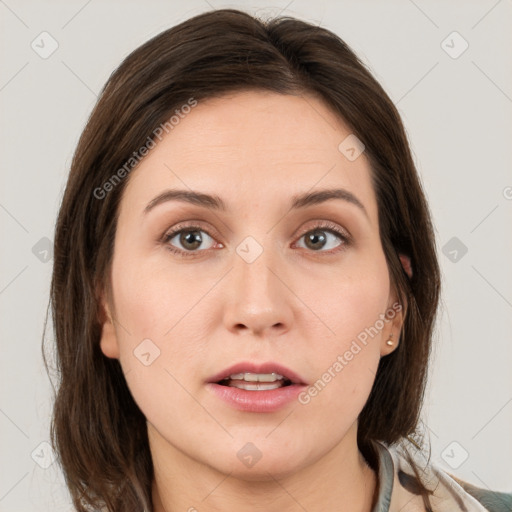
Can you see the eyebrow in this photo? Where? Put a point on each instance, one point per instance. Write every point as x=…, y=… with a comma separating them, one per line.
x=214, y=202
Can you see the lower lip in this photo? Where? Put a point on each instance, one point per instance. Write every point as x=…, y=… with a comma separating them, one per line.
x=270, y=400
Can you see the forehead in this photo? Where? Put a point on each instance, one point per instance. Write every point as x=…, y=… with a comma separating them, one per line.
x=254, y=144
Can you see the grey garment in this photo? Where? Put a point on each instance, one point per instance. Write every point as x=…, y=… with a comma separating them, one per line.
x=493, y=501
x=397, y=482
x=385, y=478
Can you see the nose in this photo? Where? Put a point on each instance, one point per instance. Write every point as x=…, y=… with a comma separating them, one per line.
x=259, y=299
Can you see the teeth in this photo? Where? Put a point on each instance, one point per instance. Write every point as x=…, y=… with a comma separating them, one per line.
x=255, y=387
x=256, y=377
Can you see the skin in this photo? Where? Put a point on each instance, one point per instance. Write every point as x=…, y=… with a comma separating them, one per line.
x=295, y=304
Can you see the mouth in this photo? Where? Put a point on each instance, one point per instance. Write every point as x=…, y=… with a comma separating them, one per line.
x=256, y=388
x=253, y=377
x=255, y=381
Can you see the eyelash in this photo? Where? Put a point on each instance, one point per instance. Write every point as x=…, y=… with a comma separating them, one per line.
x=322, y=226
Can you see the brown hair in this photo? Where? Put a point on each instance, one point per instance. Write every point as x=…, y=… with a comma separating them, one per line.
x=97, y=429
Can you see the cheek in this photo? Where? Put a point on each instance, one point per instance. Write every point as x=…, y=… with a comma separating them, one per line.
x=350, y=300
x=347, y=357
x=164, y=325
x=160, y=338
x=150, y=300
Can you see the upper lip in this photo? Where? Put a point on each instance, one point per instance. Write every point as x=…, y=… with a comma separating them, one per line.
x=251, y=367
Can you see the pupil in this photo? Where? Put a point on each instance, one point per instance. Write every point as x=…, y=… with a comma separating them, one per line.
x=191, y=237
x=314, y=238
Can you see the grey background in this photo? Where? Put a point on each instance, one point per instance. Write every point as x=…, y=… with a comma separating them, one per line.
x=457, y=113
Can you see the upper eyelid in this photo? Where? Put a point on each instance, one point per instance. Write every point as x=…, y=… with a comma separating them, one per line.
x=188, y=227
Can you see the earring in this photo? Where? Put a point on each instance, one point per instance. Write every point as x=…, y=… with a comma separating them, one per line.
x=390, y=341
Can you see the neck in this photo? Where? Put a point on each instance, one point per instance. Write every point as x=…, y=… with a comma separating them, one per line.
x=340, y=480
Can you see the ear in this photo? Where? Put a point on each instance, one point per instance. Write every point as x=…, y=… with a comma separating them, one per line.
x=108, y=341
x=406, y=263
x=393, y=323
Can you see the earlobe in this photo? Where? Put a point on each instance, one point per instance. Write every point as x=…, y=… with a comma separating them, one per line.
x=391, y=334
x=392, y=342
x=108, y=339
x=389, y=344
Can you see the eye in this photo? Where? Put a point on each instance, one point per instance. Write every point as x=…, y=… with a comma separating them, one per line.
x=322, y=238
x=188, y=240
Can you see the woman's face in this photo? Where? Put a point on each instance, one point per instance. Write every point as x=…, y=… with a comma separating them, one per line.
x=260, y=281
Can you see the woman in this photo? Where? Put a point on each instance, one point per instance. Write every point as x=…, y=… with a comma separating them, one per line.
x=245, y=284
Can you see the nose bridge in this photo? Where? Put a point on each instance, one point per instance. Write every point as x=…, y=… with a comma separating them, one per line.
x=260, y=299
x=254, y=271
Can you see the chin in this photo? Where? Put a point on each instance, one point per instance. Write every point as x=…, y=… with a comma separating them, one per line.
x=258, y=461
x=264, y=470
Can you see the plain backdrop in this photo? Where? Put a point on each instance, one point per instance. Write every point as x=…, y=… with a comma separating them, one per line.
x=454, y=93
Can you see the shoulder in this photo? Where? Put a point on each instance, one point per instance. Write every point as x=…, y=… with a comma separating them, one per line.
x=413, y=472
x=493, y=501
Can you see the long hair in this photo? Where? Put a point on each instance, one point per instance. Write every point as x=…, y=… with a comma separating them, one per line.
x=97, y=429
